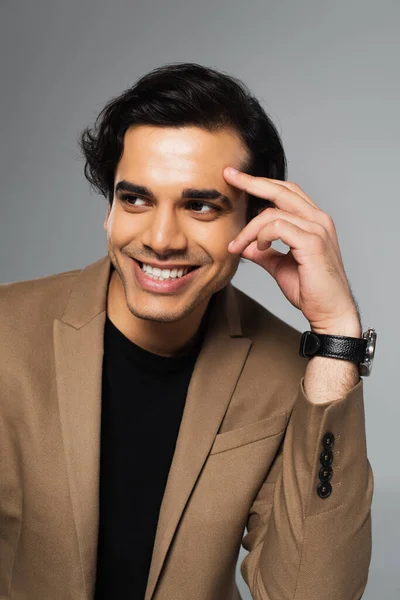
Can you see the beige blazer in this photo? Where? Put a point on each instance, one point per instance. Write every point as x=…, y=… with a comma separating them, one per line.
x=247, y=455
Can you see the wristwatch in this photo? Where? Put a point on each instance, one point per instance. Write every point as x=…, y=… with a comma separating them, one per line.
x=359, y=350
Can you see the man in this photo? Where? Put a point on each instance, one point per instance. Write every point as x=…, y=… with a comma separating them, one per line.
x=150, y=411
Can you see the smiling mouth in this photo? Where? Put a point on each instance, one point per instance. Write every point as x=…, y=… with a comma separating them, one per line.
x=176, y=274
x=189, y=267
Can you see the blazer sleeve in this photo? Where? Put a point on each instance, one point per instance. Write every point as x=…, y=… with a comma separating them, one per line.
x=302, y=546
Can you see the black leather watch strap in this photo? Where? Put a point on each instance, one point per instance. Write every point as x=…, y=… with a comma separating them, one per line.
x=333, y=346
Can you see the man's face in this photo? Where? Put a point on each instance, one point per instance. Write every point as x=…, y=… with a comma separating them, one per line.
x=162, y=225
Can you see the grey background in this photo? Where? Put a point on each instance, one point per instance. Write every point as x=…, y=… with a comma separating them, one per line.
x=327, y=73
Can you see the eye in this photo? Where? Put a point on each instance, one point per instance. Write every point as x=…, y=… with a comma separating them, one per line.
x=131, y=200
x=209, y=206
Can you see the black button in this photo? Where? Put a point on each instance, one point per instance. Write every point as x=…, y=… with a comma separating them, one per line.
x=326, y=457
x=325, y=474
x=328, y=440
x=324, y=490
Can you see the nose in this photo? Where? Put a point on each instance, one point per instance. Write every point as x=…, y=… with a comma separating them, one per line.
x=163, y=232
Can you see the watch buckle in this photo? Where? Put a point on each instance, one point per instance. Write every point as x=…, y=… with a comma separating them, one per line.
x=366, y=366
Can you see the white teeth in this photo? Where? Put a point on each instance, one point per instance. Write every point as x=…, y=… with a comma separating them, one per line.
x=162, y=274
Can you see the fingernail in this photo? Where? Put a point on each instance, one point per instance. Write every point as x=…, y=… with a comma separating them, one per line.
x=232, y=171
x=231, y=243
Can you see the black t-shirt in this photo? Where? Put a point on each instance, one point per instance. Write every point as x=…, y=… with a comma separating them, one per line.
x=143, y=397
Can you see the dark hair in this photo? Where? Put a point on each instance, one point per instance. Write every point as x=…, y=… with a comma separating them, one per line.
x=176, y=95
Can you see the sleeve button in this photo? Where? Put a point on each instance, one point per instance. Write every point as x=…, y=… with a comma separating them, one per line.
x=326, y=458
x=324, y=490
x=328, y=441
x=325, y=474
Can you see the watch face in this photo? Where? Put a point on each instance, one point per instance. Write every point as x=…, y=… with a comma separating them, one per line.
x=366, y=366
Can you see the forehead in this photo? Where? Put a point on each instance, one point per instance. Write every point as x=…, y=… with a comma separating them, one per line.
x=179, y=156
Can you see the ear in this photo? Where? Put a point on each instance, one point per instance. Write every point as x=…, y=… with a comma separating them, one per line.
x=107, y=217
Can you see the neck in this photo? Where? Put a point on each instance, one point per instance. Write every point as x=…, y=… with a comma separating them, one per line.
x=165, y=339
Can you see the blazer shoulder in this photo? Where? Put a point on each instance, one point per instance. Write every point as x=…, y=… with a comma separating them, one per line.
x=272, y=338
x=35, y=299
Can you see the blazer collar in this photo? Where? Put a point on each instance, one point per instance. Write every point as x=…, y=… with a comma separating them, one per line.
x=78, y=349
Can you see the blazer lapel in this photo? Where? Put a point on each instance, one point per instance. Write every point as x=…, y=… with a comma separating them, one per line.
x=78, y=347
x=213, y=381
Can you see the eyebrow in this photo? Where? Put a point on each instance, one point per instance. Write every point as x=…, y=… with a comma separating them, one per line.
x=190, y=193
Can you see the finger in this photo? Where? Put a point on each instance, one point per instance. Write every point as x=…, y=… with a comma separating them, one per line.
x=289, y=233
x=294, y=188
x=251, y=231
x=278, y=193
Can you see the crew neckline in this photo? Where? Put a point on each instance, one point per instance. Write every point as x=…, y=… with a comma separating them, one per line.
x=148, y=359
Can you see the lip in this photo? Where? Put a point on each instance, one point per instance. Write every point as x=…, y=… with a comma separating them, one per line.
x=169, y=286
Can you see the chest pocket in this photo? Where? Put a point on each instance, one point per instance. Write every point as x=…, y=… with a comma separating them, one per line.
x=247, y=434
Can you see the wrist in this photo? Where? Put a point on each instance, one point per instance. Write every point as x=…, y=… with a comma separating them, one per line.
x=350, y=328
x=326, y=379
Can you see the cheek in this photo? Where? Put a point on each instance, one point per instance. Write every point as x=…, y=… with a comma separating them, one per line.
x=215, y=238
x=220, y=232
x=218, y=249
x=221, y=238
x=120, y=230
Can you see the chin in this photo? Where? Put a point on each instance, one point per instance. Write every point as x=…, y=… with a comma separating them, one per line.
x=160, y=314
